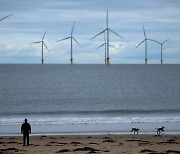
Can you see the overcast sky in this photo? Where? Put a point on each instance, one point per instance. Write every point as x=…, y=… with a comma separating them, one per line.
x=161, y=19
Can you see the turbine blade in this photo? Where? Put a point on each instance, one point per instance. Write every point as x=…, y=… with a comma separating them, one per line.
x=6, y=17
x=45, y=46
x=112, y=46
x=154, y=41
x=98, y=34
x=72, y=28
x=63, y=39
x=101, y=45
x=36, y=42
x=44, y=35
x=166, y=40
x=76, y=41
x=116, y=34
x=140, y=43
x=144, y=32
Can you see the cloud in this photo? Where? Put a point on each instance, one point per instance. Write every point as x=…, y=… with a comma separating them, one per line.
x=31, y=18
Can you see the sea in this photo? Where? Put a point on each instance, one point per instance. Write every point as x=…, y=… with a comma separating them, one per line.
x=89, y=98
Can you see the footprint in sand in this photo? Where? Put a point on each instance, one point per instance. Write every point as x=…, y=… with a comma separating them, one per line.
x=11, y=142
x=63, y=150
x=109, y=141
x=93, y=143
x=10, y=149
x=149, y=151
x=91, y=150
x=172, y=151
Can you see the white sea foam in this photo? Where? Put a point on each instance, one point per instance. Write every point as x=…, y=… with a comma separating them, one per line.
x=88, y=120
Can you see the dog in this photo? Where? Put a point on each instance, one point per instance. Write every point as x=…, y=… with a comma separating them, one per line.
x=135, y=130
x=160, y=130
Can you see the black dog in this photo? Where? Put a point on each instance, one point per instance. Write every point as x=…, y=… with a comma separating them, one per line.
x=159, y=130
x=135, y=130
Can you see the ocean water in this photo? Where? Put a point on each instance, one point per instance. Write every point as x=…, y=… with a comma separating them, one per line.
x=71, y=99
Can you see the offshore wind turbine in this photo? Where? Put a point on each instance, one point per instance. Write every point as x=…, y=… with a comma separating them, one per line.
x=72, y=39
x=162, y=49
x=5, y=17
x=43, y=44
x=161, y=43
x=105, y=45
x=107, y=30
x=145, y=40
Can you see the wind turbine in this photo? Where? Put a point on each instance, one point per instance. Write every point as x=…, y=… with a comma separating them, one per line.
x=105, y=45
x=161, y=48
x=5, y=17
x=71, y=38
x=107, y=30
x=43, y=44
x=145, y=40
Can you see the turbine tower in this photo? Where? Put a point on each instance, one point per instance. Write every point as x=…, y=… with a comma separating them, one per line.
x=43, y=44
x=107, y=30
x=105, y=45
x=72, y=39
x=5, y=17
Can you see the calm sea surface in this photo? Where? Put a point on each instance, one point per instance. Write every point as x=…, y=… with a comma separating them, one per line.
x=89, y=98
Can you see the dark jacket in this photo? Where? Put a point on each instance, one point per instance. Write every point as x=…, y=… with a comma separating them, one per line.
x=26, y=128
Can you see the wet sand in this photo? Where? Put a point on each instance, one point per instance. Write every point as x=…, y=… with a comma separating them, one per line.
x=84, y=144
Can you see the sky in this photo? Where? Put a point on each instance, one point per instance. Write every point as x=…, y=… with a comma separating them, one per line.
x=161, y=19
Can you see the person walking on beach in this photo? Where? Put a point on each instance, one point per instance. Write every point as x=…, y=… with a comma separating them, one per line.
x=25, y=130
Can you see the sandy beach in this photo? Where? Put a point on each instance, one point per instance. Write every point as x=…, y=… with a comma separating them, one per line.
x=83, y=144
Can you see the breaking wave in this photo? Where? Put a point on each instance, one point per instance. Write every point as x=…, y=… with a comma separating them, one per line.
x=89, y=120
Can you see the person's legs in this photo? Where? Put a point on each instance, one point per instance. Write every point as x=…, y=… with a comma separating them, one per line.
x=24, y=139
x=27, y=139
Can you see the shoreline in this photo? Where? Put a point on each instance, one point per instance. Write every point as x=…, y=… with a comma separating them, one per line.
x=83, y=144
x=89, y=133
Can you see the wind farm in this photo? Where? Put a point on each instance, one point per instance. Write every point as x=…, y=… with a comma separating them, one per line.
x=43, y=44
x=107, y=30
x=72, y=39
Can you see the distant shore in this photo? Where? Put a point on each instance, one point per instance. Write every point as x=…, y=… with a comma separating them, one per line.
x=82, y=144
